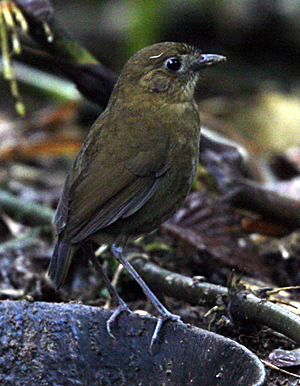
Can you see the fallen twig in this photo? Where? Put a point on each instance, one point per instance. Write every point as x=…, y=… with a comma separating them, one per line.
x=243, y=306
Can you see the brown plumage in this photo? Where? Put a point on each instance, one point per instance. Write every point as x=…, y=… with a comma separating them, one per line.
x=139, y=160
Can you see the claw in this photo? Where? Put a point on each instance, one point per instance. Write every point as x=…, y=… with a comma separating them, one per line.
x=122, y=308
x=160, y=322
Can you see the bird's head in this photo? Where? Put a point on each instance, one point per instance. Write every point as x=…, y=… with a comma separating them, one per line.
x=171, y=69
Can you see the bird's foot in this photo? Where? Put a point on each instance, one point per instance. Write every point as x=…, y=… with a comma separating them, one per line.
x=167, y=316
x=164, y=314
x=122, y=308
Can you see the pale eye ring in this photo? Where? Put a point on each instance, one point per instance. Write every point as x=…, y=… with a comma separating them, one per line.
x=173, y=64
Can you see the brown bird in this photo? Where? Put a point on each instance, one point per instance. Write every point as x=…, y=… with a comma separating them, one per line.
x=136, y=165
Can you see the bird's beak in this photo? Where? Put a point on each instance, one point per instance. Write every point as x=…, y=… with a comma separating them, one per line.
x=209, y=60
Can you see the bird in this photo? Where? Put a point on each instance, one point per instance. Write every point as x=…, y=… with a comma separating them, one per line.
x=136, y=165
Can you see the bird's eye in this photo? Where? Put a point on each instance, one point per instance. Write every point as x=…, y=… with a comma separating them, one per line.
x=173, y=64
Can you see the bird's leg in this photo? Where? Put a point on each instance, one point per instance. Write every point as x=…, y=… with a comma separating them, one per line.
x=163, y=312
x=122, y=306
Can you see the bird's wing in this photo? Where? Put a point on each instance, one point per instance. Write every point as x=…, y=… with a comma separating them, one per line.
x=106, y=188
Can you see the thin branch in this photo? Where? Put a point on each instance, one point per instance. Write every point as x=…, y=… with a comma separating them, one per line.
x=25, y=212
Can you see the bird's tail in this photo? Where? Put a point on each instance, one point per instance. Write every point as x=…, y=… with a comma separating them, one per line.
x=61, y=261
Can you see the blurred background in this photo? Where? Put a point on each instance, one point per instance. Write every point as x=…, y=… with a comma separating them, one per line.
x=254, y=97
